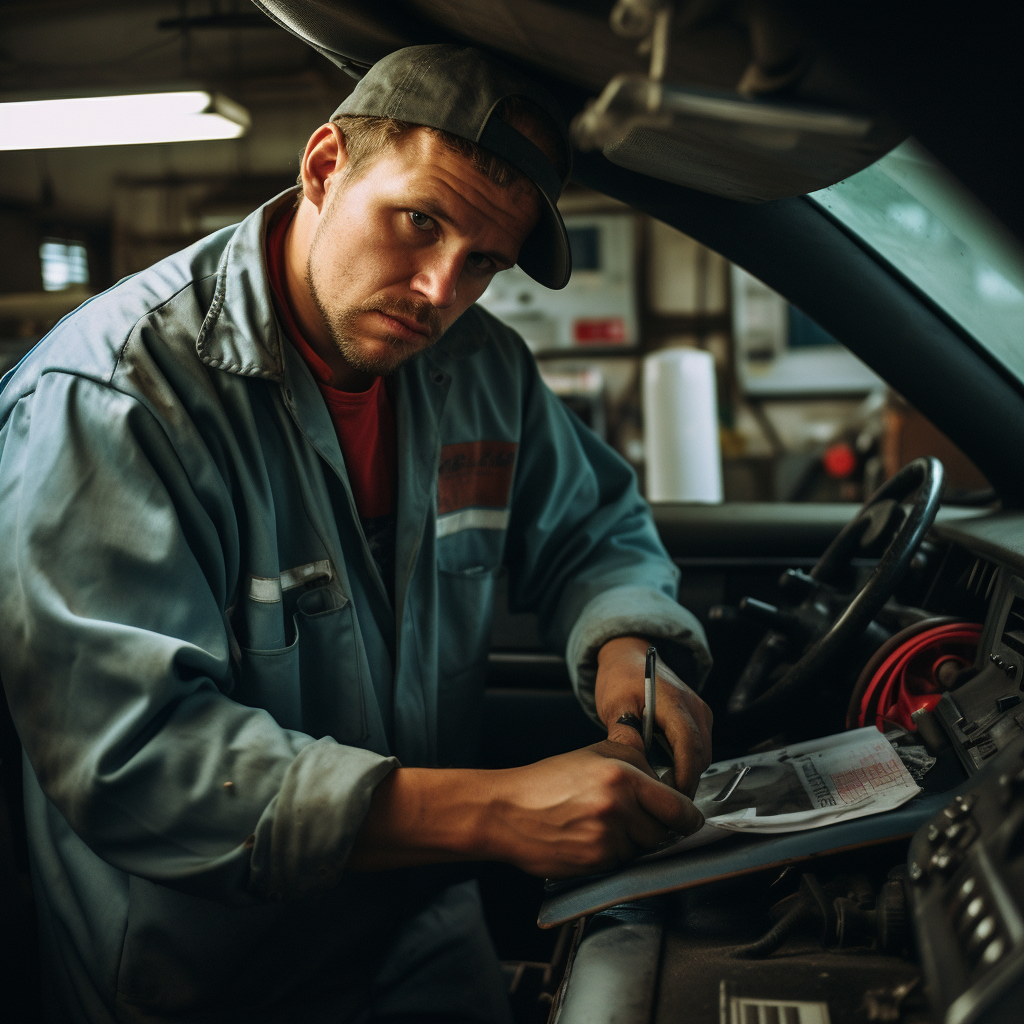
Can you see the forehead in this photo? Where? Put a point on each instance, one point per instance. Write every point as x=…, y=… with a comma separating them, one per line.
x=419, y=164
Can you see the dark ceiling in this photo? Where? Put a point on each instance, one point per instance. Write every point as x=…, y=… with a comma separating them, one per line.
x=951, y=75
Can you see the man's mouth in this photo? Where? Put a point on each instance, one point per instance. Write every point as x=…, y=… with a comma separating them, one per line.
x=404, y=327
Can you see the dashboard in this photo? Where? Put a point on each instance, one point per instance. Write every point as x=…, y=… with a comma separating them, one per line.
x=985, y=713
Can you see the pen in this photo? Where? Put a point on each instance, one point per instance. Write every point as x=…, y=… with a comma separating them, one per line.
x=650, y=697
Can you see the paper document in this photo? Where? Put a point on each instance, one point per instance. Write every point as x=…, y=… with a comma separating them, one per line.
x=802, y=786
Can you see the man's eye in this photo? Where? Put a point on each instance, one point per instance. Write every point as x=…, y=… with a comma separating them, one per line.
x=421, y=220
x=481, y=262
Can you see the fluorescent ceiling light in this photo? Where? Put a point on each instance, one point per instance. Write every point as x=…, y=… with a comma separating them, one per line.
x=120, y=120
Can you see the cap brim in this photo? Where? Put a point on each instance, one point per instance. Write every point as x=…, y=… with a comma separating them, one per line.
x=545, y=255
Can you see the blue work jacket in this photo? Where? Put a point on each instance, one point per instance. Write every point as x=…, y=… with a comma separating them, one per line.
x=206, y=670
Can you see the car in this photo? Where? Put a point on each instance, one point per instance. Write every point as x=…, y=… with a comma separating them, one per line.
x=883, y=248
x=775, y=134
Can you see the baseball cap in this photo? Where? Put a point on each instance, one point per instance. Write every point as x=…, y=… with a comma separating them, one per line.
x=456, y=89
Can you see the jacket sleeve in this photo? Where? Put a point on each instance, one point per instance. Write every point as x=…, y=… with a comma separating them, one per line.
x=115, y=657
x=583, y=551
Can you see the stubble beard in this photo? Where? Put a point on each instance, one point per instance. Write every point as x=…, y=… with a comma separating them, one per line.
x=343, y=324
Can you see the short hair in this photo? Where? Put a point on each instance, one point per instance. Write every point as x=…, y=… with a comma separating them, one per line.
x=366, y=138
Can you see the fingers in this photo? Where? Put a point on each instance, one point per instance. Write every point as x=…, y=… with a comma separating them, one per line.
x=683, y=718
x=670, y=808
x=631, y=753
x=645, y=833
x=586, y=811
x=625, y=735
x=647, y=811
x=659, y=809
x=686, y=722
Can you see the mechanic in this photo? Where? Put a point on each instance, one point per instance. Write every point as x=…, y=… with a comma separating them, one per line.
x=254, y=501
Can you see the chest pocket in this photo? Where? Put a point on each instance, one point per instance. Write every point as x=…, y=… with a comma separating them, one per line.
x=319, y=684
x=474, y=483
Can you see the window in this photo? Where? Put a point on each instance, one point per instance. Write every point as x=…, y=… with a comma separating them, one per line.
x=922, y=222
x=585, y=244
x=65, y=263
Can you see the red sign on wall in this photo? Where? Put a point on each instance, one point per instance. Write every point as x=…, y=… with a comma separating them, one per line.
x=604, y=331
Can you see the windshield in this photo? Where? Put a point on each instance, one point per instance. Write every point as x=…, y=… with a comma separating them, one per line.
x=922, y=222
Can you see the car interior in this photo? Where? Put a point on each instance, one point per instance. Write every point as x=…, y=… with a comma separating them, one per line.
x=749, y=127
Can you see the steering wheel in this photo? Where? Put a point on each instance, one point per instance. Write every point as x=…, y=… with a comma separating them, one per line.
x=825, y=623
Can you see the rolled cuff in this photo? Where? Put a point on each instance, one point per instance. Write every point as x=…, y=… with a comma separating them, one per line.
x=305, y=835
x=635, y=611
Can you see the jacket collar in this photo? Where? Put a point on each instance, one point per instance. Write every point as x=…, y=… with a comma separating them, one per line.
x=240, y=333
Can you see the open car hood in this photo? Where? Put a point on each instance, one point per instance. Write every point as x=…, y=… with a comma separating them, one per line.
x=865, y=74
x=748, y=108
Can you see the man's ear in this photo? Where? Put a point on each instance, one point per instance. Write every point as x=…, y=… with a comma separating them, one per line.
x=325, y=156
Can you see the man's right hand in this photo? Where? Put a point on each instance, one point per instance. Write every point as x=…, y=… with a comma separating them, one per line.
x=578, y=813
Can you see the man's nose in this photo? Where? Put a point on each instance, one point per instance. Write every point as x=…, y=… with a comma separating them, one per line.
x=437, y=280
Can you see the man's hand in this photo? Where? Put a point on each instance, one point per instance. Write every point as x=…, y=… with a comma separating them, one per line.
x=681, y=715
x=586, y=811
x=578, y=813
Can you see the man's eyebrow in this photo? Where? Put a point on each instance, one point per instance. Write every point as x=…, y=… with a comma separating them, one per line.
x=434, y=209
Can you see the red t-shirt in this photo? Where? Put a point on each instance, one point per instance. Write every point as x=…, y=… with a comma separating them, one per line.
x=363, y=420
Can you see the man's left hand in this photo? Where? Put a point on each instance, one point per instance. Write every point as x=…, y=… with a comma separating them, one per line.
x=681, y=715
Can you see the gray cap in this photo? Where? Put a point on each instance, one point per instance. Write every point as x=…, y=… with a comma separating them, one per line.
x=455, y=89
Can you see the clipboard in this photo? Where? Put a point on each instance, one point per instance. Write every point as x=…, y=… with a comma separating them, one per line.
x=730, y=857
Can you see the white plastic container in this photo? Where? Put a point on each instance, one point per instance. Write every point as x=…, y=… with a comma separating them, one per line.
x=684, y=459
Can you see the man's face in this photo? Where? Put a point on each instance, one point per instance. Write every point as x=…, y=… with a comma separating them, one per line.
x=405, y=248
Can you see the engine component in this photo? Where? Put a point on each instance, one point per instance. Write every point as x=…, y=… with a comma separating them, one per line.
x=984, y=715
x=845, y=911
x=967, y=871
x=911, y=672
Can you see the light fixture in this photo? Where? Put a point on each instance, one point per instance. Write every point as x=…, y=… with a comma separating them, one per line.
x=120, y=120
